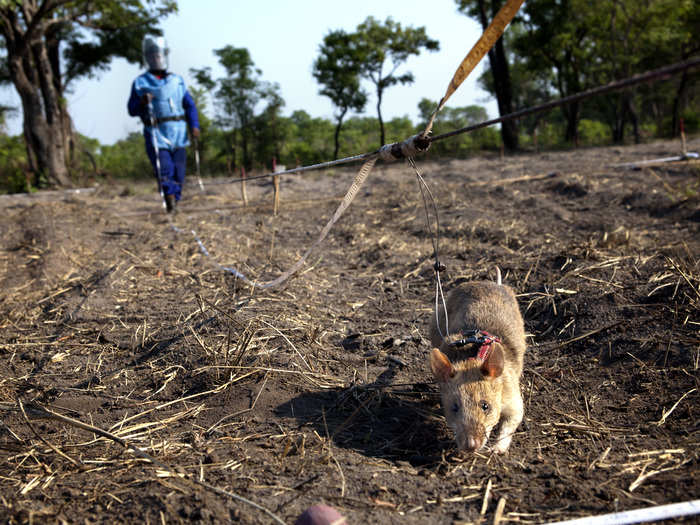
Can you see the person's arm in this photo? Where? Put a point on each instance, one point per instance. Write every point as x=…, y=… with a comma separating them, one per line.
x=134, y=105
x=191, y=113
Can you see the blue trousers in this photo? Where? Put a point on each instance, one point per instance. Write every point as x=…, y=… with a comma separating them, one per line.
x=172, y=168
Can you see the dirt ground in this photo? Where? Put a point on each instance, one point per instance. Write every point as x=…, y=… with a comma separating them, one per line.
x=122, y=344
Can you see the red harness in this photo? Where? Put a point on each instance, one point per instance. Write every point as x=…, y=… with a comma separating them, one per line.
x=483, y=339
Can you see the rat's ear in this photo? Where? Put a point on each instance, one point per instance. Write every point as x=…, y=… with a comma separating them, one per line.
x=441, y=366
x=493, y=365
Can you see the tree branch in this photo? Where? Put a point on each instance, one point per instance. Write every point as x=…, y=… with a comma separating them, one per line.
x=6, y=26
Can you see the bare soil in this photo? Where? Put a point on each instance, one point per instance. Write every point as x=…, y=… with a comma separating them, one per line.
x=319, y=390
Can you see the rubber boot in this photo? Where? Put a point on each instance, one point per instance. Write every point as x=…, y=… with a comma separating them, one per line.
x=170, y=203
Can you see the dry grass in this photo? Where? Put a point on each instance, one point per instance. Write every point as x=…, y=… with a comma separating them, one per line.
x=141, y=383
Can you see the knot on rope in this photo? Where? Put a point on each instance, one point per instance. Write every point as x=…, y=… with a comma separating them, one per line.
x=406, y=149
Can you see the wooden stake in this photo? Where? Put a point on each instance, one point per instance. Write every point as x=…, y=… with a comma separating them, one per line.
x=244, y=195
x=534, y=140
x=276, y=182
x=683, y=149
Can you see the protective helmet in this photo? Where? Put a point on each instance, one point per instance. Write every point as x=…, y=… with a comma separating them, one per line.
x=155, y=52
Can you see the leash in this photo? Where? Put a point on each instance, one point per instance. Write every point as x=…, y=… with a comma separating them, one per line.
x=438, y=266
x=489, y=37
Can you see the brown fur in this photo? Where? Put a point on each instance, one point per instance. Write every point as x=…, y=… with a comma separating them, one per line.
x=476, y=396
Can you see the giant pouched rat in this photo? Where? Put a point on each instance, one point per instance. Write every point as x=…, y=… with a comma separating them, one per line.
x=479, y=363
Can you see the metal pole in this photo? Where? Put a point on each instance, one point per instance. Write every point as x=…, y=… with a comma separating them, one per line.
x=196, y=162
x=154, y=128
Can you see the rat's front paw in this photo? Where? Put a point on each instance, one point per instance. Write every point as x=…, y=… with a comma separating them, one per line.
x=501, y=446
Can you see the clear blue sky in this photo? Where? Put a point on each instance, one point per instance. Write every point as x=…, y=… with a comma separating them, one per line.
x=283, y=38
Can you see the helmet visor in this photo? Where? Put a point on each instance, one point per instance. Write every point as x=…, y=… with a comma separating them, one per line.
x=155, y=53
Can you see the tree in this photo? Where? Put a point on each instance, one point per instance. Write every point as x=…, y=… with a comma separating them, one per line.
x=557, y=37
x=50, y=43
x=533, y=87
x=269, y=128
x=499, y=66
x=631, y=37
x=308, y=139
x=383, y=48
x=337, y=69
x=455, y=118
x=587, y=43
x=238, y=94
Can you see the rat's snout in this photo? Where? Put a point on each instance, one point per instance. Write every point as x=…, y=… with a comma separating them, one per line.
x=471, y=439
x=474, y=443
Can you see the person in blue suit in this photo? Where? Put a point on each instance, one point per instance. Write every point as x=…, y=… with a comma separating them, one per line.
x=163, y=103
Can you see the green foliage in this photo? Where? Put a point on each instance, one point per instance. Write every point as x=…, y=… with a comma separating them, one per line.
x=13, y=165
x=126, y=158
x=117, y=30
x=399, y=128
x=337, y=69
x=238, y=95
x=205, y=127
x=269, y=128
x=299, y=140
x=571, y=46
x=498, y=76
x=533, y=87
x=450, y=119
x=84, y=162
x=50, y=44
x=309, y=140
x=593, y=133
x=382, y=49
x=691, y=119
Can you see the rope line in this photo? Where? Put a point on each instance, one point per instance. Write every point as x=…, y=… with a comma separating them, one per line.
x=301, y=169
x=347, y=200
x=612, y=86
x=487, y=40
x=421, y=142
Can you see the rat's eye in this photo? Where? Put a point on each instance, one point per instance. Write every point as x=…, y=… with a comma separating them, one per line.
x=484, y=405
x=455, y=407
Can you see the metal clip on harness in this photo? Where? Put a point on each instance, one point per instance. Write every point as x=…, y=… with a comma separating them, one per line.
x=476, y=336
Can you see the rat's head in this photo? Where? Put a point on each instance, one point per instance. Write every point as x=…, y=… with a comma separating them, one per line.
x=471, y=395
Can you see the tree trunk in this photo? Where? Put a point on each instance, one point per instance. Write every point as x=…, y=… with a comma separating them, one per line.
x=337, y=133
x=572, y=113
x=54, y=57
x=246, y=161
x=629, y=111
x=678, y=104
x=501, y=81
x=618, y=124
x=42, y=107
x=379, y=116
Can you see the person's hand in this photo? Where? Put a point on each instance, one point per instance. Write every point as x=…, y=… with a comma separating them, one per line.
x=146, y=98
x=195, y=132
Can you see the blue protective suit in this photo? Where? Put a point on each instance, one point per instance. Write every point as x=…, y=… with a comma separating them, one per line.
x=174, y=110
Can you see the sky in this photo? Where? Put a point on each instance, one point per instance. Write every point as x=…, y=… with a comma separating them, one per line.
x=283, y=39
